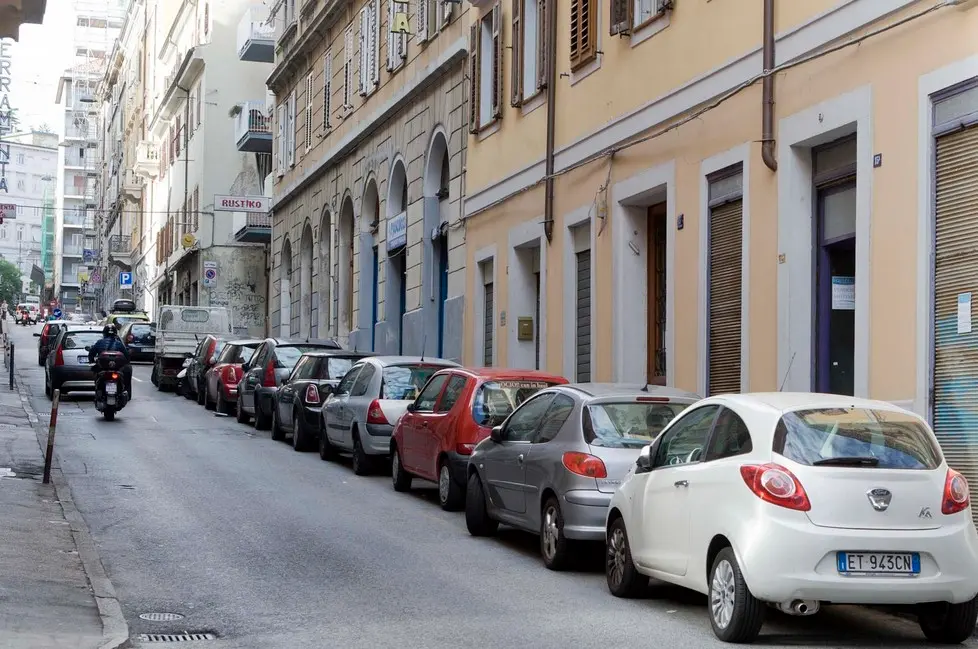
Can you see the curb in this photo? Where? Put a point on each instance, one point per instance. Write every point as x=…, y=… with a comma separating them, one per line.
x=115, y=629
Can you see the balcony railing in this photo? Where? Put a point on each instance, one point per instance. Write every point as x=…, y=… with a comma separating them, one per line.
x=256, y=36
x=257, y=229
x=120, y=244
x=70, y=250
x=132, y=184
x=147, y=160
x=253, y=128
x=73, y=158
x=69, y=278
x=75, y=218
x=73, y=190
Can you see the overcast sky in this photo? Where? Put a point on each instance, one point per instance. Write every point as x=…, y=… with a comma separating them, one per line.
x=37, y=62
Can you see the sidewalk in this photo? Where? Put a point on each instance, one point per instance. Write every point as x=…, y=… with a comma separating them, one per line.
x=51, y=590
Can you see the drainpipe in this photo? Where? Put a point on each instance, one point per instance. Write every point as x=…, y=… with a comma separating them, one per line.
x=767, y=90
x=548, y=201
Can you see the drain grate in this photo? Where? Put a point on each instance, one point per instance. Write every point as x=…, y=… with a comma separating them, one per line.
x=175, y=637
x=161, y=617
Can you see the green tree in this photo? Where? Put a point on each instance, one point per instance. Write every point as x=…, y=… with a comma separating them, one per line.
x=10, y=283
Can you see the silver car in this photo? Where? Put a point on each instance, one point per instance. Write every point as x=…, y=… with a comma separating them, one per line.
x=67, y=366
x=359, y=416
x=553, y=465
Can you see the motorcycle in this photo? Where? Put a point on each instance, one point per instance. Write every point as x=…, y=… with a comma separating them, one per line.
x=182, y=386
x=110, y=384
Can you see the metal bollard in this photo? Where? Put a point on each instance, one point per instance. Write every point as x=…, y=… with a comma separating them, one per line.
x=52, y=426
x=11, y=366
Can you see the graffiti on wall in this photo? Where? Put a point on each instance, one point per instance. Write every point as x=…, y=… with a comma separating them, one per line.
x=240, y=296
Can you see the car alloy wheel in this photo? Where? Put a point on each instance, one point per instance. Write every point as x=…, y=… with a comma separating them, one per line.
x=444, y=483
x=617, y=557
x=723, y=594
x=550, y=532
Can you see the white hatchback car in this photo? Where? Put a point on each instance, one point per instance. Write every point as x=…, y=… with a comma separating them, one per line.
x=794, y=500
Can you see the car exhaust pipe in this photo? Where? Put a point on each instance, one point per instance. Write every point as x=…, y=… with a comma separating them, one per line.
x=799, y=607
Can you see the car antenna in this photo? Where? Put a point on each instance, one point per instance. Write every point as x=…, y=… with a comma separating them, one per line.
x=424, y=343
x=788, y=369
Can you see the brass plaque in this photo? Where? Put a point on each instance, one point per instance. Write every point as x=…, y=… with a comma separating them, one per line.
x=524, y=329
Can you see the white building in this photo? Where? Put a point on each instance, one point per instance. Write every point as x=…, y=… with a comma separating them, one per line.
x=30, y=165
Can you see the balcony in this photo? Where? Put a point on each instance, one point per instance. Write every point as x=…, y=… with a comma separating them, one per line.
x=132, y=184
x=69, y=279
x=147, y=160
x=75, y=219
x=256, y=36
x=72, y=251
x=74, y=159
x=75, y=189
x=257, y=229
x=188, y=66
x=253, y=128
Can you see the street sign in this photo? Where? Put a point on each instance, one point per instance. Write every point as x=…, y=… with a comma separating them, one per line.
x=210, y=273
x=252, y=204
x=125, y=280
x=57, y=313
x=7, y=211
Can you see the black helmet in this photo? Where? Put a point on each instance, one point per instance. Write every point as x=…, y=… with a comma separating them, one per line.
x=109, y=330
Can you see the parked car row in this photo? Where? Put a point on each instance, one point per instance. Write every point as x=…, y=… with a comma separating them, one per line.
x=783, y=500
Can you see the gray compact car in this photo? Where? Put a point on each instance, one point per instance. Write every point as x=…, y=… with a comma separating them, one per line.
x=67, y=366
x=360, y=415
x=553, y=465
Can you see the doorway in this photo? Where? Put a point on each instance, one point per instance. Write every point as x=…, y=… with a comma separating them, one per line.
x=397, y=293
x=836, y=293
x=442, y=290
x=374, y=280
x=655, y=307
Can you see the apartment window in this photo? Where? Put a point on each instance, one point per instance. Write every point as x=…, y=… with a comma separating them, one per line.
x=290, y=130
x=369, y=32
x=193, y=105
x=426, y=27
x=583, y=32
x=327, y=87
x=529, y=49
x=200, y=113
x=196, y=208
x=20, y=158
x=629, y=15
x=308, y=116
x=20, y=234
x=280, y=138
x=396, y=41
x=21, y=185
x=207, y=19
x=177, y=132
x=485, y=59
x=348, y=68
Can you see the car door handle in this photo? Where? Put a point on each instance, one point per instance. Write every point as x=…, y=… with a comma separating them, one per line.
x=424, y=424
x=681, y=483
x=519, y=459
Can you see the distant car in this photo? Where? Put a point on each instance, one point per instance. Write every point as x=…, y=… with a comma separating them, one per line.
x=221, y=379
x=299, y=401
x=67, y=366
x=456, y=410
x=263, y=374
x=360, y=415
x=551, y=468
x=46, y=336
x=793, y=500
x=140, y=338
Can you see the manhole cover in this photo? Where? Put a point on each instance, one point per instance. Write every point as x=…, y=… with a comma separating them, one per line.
x=175, y=637
x=161, y=617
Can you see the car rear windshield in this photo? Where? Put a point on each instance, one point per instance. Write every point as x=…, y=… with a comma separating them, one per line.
x=126, y=319
x=857, y=437
x=288, y=356
x=81, y=339
x=142, y=329
x=335, y=367
x=404, y=382
x=628, y=424
x=494, y=400
x=237, y=353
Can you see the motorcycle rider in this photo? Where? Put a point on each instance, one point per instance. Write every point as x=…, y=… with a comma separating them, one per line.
x=110, y=342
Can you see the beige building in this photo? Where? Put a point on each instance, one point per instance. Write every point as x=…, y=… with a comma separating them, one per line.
x=368, y=159
x=699, y=240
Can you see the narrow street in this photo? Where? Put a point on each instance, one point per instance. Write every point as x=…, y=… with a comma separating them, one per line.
x=265, y=548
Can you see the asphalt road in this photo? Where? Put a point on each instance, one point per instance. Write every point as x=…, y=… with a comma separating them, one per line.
x=268, y=548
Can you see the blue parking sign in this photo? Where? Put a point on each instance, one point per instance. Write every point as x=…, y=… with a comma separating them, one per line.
x=57, y=313
x=125, y=280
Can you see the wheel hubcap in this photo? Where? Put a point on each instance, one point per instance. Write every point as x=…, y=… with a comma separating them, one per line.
x=722, y=594
x=550, y=532
x=395, y=465
x=616, y=556
x=444, y=483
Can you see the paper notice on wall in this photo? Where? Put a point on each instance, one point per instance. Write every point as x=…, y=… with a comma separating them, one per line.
x=843, y=293
x=964, y=313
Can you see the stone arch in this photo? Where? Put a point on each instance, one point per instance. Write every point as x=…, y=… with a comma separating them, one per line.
x=437, y=199
x=285, y=289
x=344, y=253
x=325, y=283
x=305, y=281
x=369, y=261
x=395, y=279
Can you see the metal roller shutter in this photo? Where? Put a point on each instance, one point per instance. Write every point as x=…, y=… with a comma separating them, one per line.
x=955, y=388
x=536, y=324
x=726, y=252
x=584, y=316
x=487, y=325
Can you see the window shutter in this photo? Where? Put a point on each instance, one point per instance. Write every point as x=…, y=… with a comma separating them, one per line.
x=327, y=87
x=423, y=20
x=543, y=42
x=474, y=80
x=622, y=16
x=290, y=133
x=375, y=44
x=364, y=63
x=446, y=13
x=308, y=120
x=280, y=139
x=497, y=56
x=583, y=47
x=391, y=36
x=348, y=68
x=519, y=51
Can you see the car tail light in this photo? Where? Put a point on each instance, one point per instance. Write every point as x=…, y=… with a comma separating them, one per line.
x=113, y=376
x=312, y=394
x=956, y=493
x=44, y=334
x=130, y=338
x=59, y=356
x=777, y=485
x=652, y=399
x=375, y=414
x=464, y=449
x=583, y=464
x=269, y=380
x=210, y=350
x=228, y=375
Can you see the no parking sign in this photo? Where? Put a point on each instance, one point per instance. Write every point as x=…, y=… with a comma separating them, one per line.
x=210, y=273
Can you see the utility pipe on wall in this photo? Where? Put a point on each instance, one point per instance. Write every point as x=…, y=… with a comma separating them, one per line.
x=548, y=201
x=767, y=90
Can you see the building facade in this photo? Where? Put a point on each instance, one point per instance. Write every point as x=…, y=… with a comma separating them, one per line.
x=369, y=154
x=16, y=14
x=718, y=229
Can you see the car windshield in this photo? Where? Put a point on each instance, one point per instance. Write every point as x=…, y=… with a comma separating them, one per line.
x=404, y=382
x=288, y=356
x=237, y=353
x=335, y=367
x=627, y=424
x=495, y=400
x=81, y=339
x=860, y=437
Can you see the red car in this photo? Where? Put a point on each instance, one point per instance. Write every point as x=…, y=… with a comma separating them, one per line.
x=456, y=410
x=221, y=379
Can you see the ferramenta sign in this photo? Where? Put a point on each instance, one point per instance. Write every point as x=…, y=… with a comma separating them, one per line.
x=5, y=111
x=254, y=204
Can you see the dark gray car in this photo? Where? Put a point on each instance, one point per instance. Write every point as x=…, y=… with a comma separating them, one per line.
x=553, y=465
